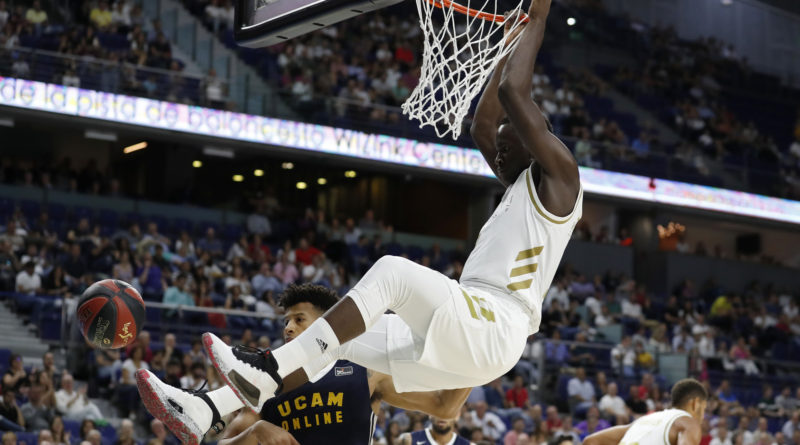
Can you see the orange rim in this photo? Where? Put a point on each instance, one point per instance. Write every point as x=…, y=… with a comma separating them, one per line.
x=472, y=12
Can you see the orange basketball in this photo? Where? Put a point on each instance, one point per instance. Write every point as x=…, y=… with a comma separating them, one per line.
x=110, y=314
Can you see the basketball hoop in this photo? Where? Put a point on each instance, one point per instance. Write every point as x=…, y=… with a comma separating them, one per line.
x=463, y=45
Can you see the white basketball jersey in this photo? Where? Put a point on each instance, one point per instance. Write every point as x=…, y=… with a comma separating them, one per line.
x=520, y=247
x=652, y=429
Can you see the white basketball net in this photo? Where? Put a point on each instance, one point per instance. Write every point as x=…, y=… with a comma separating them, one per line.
x=460, y=53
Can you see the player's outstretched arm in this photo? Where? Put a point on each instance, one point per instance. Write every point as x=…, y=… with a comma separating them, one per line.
x=445, y=404
x=609, y=436
x=559, y=168
x=489, y=111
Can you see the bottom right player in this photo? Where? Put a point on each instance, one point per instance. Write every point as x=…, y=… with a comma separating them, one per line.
x=679, y=425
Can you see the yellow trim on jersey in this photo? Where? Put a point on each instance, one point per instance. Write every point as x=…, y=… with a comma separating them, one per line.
x=522, y=270
x=525, y=254
x=529, y=182
x=471, y=306
x=520, y=285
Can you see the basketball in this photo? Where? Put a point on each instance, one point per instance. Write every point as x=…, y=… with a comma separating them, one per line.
x=110, y=314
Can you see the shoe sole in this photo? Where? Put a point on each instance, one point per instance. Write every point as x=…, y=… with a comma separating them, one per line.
x=152, y=398
x=208, y=343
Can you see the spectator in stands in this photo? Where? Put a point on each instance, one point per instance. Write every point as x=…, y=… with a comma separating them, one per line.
x=150, y=278
x=14, y=235
x=613, y=407
x=581, y=392
x=740, y=354
x=3, y=14
x=493, y=394
x=15, y=376
x=720, y=436
x=517, y=395
x=285, y=270
x=195, y=378
x=211, y=244
x=171, y=349
x=37, y=412
x=556, y=351
x=177, y=295
x=75, y=404
x=60, y=436
x=215, y=90
x=305, y=253
x=623, y=357
x=159, y=433
x=785, y=402
x=28, y=281
x=516, y=434
x=791, y=426
x=125, y=433
x=592, y=424
x=264, y=281
x=258, y=223
x=36, y=16
x=11, y=418
x=101, y=15
x=637, y=406
x=490, y=424
x=45, y=437
x=49, y=367
x=75, y=266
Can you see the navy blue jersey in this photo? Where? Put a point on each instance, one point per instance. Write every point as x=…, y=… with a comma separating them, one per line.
x=422, y=438
x=335, y=408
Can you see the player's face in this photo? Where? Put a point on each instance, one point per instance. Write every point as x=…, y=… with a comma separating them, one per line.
x=512, y=158
x=298, y=318
x=441, y=426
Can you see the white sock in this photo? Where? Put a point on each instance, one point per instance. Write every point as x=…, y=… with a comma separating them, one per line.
x=225, y=400
x=307, y=347
x=316, y=366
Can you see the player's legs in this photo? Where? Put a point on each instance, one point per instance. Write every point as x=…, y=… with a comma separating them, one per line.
x=412, y=291
x=188, y=414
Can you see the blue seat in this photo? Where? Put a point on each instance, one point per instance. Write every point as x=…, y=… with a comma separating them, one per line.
x=27, y=438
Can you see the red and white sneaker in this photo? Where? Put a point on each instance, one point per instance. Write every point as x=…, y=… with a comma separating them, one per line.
x=189, y=414
x=251, y=373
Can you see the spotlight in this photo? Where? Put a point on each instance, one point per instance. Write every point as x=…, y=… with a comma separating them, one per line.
x=287, y=166
x=197, y=164
x=134, y=147
x=322, y=181
x=258, y=172
x=301, y=185
x=571, y=21
x=350, y=174
x=238, y=178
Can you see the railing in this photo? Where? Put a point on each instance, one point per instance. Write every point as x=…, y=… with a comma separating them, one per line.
x=126, y=78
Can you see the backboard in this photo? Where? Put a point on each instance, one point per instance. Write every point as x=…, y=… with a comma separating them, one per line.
x=259, y=23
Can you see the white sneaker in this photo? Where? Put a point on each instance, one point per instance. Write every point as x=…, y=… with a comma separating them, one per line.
x=189, y=414
x=251, y=373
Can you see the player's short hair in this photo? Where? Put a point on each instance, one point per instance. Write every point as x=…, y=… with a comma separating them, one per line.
x=506, y=121
x=686, y=390
x=319, y=296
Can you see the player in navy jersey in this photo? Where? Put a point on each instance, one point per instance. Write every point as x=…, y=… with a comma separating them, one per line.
x=338, y=405
x=441, y=432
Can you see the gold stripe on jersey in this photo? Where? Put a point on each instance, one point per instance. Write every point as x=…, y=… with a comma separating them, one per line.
x=520, y=285
x=522, y=270
x=486, y=313
x=529, y=181
x=471, y=306
x=529, y=253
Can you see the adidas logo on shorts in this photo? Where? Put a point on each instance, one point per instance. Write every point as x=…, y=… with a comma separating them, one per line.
x=322, y=345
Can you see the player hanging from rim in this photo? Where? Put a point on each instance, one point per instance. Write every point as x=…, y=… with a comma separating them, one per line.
x=342, y=401
x=679, y=425
x=461, y=334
